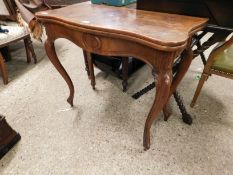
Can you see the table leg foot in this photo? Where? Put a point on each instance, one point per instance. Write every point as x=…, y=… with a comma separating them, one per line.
x=187, y=119
x=124, y=85
x=146, y=139
x=70, y=101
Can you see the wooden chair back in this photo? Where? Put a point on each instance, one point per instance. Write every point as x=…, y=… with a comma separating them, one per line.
x=220, y=48
x=7, y=10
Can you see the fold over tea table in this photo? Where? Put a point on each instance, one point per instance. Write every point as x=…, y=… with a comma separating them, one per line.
x=155, y=38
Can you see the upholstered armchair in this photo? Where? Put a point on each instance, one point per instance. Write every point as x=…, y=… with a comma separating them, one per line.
x=11, y=33
x=220, y=62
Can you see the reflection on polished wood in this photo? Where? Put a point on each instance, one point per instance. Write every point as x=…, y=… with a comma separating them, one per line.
x=155, y=38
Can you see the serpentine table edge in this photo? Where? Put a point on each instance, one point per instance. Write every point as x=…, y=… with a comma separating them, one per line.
x=84, y=25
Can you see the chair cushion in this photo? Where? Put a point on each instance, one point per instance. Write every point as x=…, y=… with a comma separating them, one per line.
x=15, y=32
x=224, y=61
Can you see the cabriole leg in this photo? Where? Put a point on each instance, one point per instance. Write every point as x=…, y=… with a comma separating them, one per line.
x=51, y=52
x=163, y=85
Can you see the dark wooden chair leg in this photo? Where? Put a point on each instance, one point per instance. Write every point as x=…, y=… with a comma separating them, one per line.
x=91, y=69
x=186, y=117
x=86, y=63
x=5, y=53
x=204, y=77
x=30, y=50
x=26, y=44
x=125, y=66
x=201, y=54
x=3, y=70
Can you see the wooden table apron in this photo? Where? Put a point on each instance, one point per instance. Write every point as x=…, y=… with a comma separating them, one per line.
x=159, y=57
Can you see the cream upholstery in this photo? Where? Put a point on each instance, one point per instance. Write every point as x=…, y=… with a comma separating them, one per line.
x=15, y=32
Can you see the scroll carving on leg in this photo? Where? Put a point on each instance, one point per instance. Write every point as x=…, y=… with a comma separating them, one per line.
x=51, y=52
x=164, y=80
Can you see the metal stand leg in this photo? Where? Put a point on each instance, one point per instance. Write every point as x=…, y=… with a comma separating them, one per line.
x=140, y=93
x=201, y=54
x=185, y=116
x=125, y=66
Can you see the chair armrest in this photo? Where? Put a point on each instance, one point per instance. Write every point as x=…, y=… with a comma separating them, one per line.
x=25, y=13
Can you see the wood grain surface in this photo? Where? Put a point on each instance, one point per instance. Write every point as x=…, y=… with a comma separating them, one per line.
x=167, y=31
